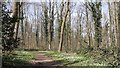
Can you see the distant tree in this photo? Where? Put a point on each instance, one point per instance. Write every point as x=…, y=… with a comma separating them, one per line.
x=51, y=23
x=68, y=28
x=46, y=18
x=88, y=25
x=110, y=22
x=115, y=22
x=22, y=25
x=79, y=29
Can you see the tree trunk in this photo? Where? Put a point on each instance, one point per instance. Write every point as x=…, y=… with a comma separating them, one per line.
x=16, y=12
x=68, y=35
x=62, y=27
x=88, y=26
x=96, y=13
x=50, y=24
x=110, y=21
x=22, y=27
x=45, y=24
x=118, y=46
x=115, y=22
x=60, y=19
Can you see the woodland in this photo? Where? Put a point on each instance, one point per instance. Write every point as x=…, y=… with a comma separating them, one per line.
x=60, y=33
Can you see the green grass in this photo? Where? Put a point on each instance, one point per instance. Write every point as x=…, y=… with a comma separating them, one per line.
x=18, y=58
x=65, y=59
x=73, y=59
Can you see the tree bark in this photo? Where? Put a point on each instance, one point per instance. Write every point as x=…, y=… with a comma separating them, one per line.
x=88, y=26
x=118, y=46
x=15, y=9
x=96, y=13
x=50, y=24
x=110, y=21
x=62, y=27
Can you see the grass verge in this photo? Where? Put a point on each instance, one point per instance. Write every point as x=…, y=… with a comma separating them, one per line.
x=73, y=59
x=17, y=58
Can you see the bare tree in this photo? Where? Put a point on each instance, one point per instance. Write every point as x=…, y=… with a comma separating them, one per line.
x=88, y=25
x=45, y=10
x=62, y=26
x=22, y=25
x=110, y=21
x=60, y=19
x=115, y=21
x=95, y=9
x=51, y=23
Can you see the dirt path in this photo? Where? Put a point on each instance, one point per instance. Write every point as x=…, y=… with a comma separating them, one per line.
x=40, y=61
x=43, y=60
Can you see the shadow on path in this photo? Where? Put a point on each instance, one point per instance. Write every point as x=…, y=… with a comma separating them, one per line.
x=48, y=64
x=40, y=61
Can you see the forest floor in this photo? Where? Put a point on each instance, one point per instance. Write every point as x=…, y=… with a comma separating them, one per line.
x=41, y=59
x=49, y=58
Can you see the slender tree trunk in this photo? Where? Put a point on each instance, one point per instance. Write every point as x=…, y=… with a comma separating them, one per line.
x=50, y=24
x=110, y=21
x=49, y=27
x=37, y=35
x=88, y=27
x=45, y=23
x=22, y=27
x=68, y=26
x=36, y=25
x=61, y=19
x=62, y=27
x=115, y=22
x=1, y=14
x=79, y=29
